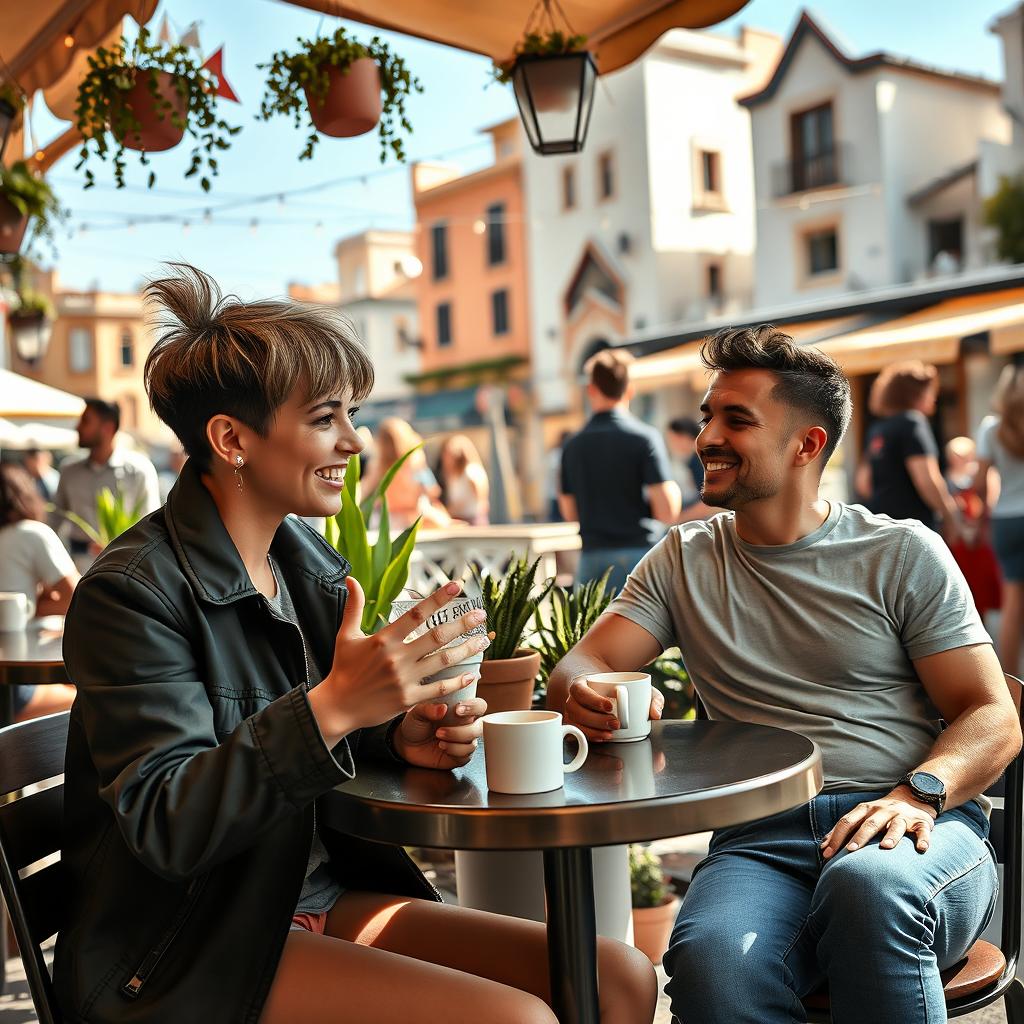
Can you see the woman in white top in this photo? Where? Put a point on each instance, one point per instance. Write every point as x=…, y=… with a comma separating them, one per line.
x=466, y=487
x=35, y=563
x=1001, y=446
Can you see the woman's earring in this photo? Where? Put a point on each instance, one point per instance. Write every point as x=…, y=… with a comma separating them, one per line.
x=239, y=463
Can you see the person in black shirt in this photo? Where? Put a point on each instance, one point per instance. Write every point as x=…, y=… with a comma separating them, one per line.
x=899, y=474
x=615, y=477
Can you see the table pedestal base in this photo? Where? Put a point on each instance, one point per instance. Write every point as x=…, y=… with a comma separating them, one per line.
x=572, y=935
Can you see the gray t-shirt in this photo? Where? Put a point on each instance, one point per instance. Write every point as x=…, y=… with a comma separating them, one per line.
x=816, y=636
x=1010, y=467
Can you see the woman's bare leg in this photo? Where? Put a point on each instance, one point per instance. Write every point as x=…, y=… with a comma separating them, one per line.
x=48, y=699
x=506, y=950
x=1011, y=626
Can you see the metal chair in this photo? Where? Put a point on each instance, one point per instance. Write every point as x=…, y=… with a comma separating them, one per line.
x=987, y=972
x=30, y=831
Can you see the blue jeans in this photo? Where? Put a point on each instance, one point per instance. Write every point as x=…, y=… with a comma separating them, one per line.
x=766, y=921
x=621, y=561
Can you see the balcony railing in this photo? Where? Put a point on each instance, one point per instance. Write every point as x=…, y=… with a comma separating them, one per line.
x=810, y=172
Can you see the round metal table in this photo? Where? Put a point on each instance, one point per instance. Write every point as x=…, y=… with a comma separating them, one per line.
x=30, y=657
x=688, y=777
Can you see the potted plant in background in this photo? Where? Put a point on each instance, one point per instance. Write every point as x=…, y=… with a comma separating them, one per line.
x=654, y=903
x=31, y=323
x=347, y=88
x=570, y=614
x=113, y=517
x=509, y=668
x=145, y=96
x=381, y=570
x=26, y=199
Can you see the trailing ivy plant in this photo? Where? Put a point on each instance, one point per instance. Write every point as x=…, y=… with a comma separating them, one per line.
x=32, y=304
x=537, y=44
x=30, y=194
x=289, y=74
x=106, y=121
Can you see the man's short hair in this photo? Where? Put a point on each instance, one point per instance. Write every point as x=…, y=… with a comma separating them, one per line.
x=608, y=371
x=217, y=354
x=808, y=380
x=684, y=425
x=900, y=386
x=108, y=412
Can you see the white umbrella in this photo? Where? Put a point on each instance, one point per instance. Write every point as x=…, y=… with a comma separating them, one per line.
x=10, y=434
x=23, y=397
x=47, y=437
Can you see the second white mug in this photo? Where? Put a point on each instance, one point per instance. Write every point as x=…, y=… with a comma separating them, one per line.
x=630, y=693
x=523, y=751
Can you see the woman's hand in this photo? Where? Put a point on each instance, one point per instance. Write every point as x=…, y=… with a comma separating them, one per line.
x=374, y=678
x=423, y=741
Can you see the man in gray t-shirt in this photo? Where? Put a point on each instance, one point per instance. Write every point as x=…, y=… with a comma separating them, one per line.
x=857, y=631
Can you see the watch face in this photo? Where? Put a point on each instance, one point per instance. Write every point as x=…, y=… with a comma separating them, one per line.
x=927, y=783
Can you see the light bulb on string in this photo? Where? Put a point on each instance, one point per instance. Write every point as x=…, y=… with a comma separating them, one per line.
x=318, y=228
x=186, y=227
x=281, y=201
x=254, y=225
x=479, y=227
x=131, y=225
x=69, y=40
x=207, y=216
x=83, y=229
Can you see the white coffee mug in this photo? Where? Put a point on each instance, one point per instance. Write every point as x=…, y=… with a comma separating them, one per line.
x=523, y=751
x=13, y=611
x=630, y=694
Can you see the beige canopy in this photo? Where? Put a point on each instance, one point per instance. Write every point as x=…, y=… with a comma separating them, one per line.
x=27, y=399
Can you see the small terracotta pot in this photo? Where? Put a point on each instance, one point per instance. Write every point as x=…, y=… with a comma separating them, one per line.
x=507, y=683
x=12, y=227
x=158, y=130
x=352, y=105
x=652, y=927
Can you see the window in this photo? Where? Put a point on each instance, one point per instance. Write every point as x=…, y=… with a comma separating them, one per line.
x=444, y=324
x=499, y=311
x=714, y=282
x=822, y=251
x=80, y=350
x=127, y=349
x=568, y=188
x=945, y=236
x=495, y=234
x=439, y=251
x=709, y=171
x=814, y=153
x=605, y=176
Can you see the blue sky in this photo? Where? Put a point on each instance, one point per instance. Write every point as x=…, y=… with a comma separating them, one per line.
x=293, y=240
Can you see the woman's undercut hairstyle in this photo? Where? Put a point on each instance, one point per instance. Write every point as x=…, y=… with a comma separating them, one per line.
x=809, y=381
x=216, y=354
x=900, y=386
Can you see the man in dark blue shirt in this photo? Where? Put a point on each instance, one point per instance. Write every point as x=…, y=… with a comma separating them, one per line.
x=615, y=477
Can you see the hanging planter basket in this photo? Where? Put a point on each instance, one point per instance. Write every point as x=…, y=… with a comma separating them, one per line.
x=12, y=228
x=160, y=116
x=352, y=105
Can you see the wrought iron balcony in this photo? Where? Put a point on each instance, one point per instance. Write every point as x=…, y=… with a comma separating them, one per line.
x=801, y=174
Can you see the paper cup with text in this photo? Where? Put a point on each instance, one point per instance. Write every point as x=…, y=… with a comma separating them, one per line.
x=470, y=600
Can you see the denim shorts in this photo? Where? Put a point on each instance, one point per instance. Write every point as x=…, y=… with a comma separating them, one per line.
x=1008, y=540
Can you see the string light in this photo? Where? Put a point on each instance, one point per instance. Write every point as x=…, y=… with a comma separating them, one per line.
x=186, y=226
x=131, y=225
x=479, y=227
x=318, y=227
x=280, y=201
x=254, y=225
x=83, y=229
x=207, y=216
x=69, y=40
x=40, y=155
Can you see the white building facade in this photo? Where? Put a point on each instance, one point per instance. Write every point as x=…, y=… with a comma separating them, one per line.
x=867, y=171
x=653, y=222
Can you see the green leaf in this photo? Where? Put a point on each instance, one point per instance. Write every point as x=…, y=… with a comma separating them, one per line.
x=397, y=572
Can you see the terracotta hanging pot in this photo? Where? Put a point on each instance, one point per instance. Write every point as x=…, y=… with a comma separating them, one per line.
x=352, y=105
x=652, y=927
x=12, y=227
x=157, y=130
x=507, y=683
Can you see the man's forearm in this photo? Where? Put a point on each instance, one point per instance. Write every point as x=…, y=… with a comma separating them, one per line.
x=972, y=752
x=572, y=667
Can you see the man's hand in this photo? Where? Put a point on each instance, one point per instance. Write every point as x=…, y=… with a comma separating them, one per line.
x=423, y=743
x=591, y=712
x=897, y=814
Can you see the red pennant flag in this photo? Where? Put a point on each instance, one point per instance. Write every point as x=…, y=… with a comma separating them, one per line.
x=215, y=65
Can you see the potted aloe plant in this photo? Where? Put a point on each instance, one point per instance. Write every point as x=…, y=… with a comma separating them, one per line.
x=569, y=615
x=26, y=199
x=113, y=517
x=31, y=323
x=654, y=903
x=145, y=96
x=381, y=570
x=347, y=88
x=509, y=668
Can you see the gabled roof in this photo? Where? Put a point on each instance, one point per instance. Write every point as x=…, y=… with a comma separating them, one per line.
x=808, y=27
x=937, y=185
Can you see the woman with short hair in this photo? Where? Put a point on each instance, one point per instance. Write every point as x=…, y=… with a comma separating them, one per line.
x=225, y=685
x=1001, y=447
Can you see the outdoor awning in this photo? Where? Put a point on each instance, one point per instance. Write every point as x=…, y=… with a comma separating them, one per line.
x=24, y=398
x=933, y=334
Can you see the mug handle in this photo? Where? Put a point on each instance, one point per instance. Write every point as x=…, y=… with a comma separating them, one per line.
x=581, y=754
x=622, y=700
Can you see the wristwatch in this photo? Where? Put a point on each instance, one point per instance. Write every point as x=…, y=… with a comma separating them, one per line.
x=927, y=788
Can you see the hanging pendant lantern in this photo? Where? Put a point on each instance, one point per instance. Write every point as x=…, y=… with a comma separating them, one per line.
x=555, y=96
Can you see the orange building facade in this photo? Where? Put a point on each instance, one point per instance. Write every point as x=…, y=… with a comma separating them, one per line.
x=472, y=293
